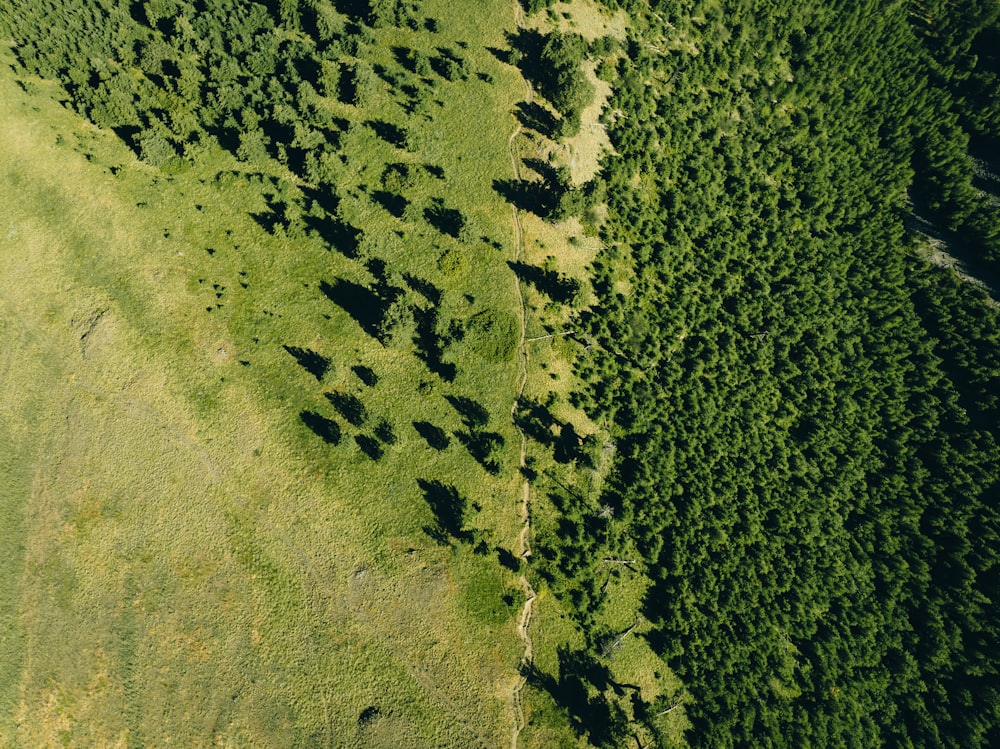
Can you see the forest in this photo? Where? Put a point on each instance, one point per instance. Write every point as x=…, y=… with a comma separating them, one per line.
x=806, y=414
x=776, y=464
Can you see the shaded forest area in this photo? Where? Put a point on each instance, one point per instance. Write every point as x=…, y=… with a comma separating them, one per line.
x=806, y=415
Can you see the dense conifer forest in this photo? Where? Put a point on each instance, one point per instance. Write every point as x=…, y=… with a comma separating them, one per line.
x=799, y=441
x=808, y=414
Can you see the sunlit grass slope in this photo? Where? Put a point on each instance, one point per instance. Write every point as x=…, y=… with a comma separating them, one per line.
x=183, y=561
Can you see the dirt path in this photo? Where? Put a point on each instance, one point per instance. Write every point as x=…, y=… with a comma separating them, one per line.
x=523, y=547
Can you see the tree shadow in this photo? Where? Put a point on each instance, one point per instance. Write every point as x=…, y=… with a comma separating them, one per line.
x=448, y=507
x=545, y=170
x=137, y=10
x=557, y=287
x=502, y=55
x=567, y=447
x=450, y=66
x=446, y=220
x=404, y=57
x=474, y=414
x=380, y=272
x=602, y=722
x=129, y=134
x=328, y=200
x=356, y=10
x=434, y=170
x=529, y=195
x=426, y=289
x=347, y=85
x=365, y=374
x=308, y=68
x=435, y=436
x=369, y=446
x=429, y=347
x=508, y=560
x=391, y=134
x=536, y=421
x=484, y=447
x=269, y=220
x=312, y=362
x=534, y=116
x=393, y=78
x=349, y=406
x=337, y=233
x=385, y=433
x=552, y=196
x=394, y=204
x=277, y=132
x=364, y=305
x=527, y=47
x=327, y=429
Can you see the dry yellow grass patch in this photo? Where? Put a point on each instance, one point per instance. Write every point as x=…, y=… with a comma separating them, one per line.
x=583, y=152
x=583, y=17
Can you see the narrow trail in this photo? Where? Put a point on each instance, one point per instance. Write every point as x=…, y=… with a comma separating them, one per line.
x=523, y=548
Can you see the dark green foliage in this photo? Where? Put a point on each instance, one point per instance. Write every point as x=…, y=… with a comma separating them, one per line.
x=552, y=63
x=450, y=66
x=170, y=75
x=566, y=87
x=960, y=67
x=806, y=419
x=397, y=177
x=384, y=13
x=154, y=149
x=397, y=326
x=452, y=262
x=359, y=85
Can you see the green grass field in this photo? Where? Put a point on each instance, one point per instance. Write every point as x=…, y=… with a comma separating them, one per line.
x=184, y=561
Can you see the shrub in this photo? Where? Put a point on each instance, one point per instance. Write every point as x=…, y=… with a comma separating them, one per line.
x=452, y=262
x=492, y=334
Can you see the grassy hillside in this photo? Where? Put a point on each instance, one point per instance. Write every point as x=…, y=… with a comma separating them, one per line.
x=230, y=512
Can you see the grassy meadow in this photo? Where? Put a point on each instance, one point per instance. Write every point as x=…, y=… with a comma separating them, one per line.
x=185, y=562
